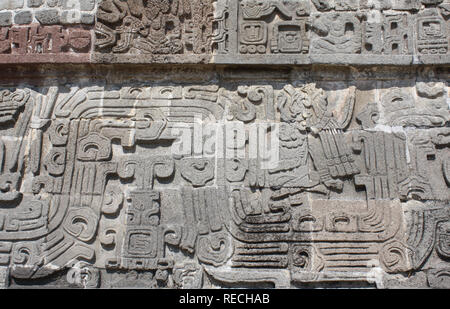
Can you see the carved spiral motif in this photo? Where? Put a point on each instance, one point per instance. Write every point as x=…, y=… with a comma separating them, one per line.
x=81, y=223
x=55, y=161
x=22, y=255
x=127, y=169
x=164, y=168
x=108, y=237
x=214, y=249
x=112, y=200
x=395, y=257
x=25, y=259
x=301, y=257
x=16, y=98
x=58, y=132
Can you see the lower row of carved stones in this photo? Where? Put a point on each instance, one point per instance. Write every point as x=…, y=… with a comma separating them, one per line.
x=140, y=186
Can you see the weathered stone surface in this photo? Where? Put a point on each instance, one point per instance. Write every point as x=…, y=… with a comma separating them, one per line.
x=154, y=28
x=34, y=3
x=5, y=18
x=214, y=143
x=346, y=32
x=289, y=32
x=11, y=4
x=87, y=5
x=360, y=171
x=48, y=17
x=36, y=43
x=54, y=3
x=23, y=18
x=406, y=4
x=87, y=19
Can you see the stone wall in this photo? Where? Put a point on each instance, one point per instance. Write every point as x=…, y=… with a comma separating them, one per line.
x=204, y=144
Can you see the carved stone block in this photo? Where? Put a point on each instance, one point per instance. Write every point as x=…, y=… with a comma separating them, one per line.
x=222, y=143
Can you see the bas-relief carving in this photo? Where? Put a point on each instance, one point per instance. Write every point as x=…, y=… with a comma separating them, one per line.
x=258, y=27
x=225, y=31
x=155, y=26
x=37, y=39
x=273, y=27
x=90, y=187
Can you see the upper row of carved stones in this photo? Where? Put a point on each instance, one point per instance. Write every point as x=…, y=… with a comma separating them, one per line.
x=273, y=27
x=253, y=28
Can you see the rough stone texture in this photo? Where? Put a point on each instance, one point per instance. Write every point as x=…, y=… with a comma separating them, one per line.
x=5, y=18
x=36, y=43
x=23, y=18
x=258, y=32
x=11, y=4
x=87, y=19
x=35, y=3
x=54, y=3
x=51, y=12
x=306, y=144
x=48, y=17
x=155, y=27
x=82, y=5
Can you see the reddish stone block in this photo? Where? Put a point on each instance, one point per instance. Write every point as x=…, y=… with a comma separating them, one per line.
x=45, y=44
x=5, y=45
x=79, y=39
